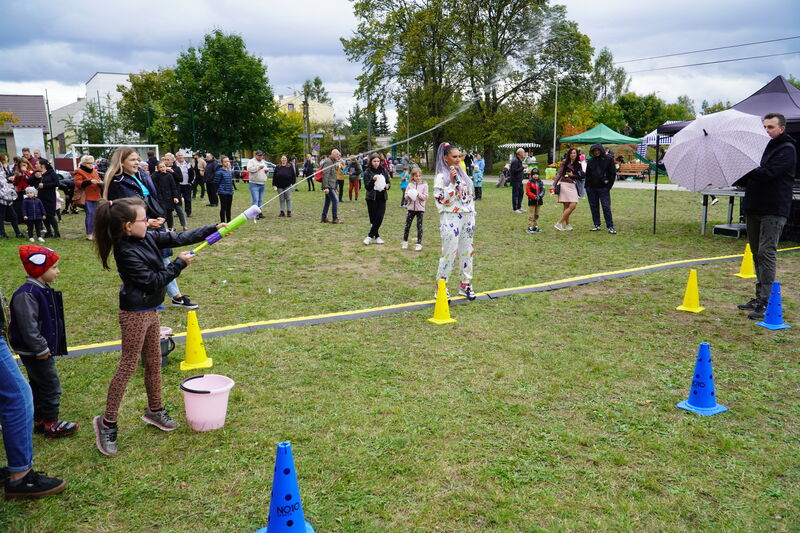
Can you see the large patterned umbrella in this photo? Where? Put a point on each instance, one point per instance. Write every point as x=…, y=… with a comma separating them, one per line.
x=716, y=150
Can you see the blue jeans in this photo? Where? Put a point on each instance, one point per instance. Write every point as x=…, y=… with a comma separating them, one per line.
x=89, y=222
x=331, y=200
x=516, y=195
x=172, y=286
x=257, y=193
x=16, y=412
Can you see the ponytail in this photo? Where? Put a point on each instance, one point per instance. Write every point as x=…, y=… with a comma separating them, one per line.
x=109, y=223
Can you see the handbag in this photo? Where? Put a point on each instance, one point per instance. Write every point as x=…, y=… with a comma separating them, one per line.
x=557, y=188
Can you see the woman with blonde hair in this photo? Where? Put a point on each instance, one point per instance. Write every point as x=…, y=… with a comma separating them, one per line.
x=89, y=189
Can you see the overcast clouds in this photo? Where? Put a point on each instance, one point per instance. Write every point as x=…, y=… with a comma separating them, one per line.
x=300, y=40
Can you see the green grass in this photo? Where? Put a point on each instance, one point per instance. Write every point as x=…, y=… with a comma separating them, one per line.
x=542, y=412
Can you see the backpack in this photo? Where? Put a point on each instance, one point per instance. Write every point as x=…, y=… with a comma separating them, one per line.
x=318, y=174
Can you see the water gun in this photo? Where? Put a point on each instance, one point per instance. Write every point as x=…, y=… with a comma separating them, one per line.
x=249, y=214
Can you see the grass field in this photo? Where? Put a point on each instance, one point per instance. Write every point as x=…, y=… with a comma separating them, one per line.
x=543, y=412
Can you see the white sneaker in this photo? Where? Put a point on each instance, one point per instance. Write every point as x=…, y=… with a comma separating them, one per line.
x=558, y=226
x=32, y=239
x=418, y=247
x=568, y=227
x=404, y=245
x=378, y=240
x=41, y=239
x=367, y=240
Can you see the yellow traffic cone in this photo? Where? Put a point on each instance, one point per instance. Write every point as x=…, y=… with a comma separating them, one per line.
x=691, y=299
x=195, y=349
x=748, y=268
x=441, y=313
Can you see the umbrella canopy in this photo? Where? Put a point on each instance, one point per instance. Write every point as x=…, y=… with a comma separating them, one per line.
x=600, y=134
x=514, y=146
x=716, y=150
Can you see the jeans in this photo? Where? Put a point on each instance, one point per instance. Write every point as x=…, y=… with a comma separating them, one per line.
x=89, y=220
x=376, y=209
x=516, y=195
x=257, y=193
x=333, y=201
x=286, y=198
x=16, y=412
x=598, y=196
x=45, y=386
x=172, y=286
x=186, y=193
x=764, y=232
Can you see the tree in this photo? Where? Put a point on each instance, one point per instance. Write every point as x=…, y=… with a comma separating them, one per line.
x=141, y=108
x=315, y=90
x=642, y=113
x=608, y=82
x=794, y=81
x=286, y=140
x=608, y=113
x=707, y=109
x=99, y=124
x=220, y=99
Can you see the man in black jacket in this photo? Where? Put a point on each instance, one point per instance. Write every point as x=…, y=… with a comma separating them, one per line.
x=211, y=187
x=767, y=202
x=600, y=176
x=516, y=174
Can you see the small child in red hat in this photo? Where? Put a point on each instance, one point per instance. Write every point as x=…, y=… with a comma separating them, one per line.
x=36, y=332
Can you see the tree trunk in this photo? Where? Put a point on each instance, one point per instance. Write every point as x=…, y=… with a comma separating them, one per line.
x=488, y=157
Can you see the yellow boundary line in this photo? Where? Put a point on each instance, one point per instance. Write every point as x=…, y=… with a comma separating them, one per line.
x=426, y=302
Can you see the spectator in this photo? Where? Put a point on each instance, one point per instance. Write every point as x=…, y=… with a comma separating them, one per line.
x=468, y=162
x=283, y=182
x=516, y=174
x=308, y=172
x=477, y=175
x=152, y=162
x=211, y=187
x=328, y=166
x=22, y=173
x=47, y=194
x=600, y=176
x=8, y=196
x=354, y=175
x=186, y=179
x=33, y=213
x=416, y=194
x=26, y=154
x=258, y=178
x=175, y=172
x=88, y=181
x=223, y=181
x=166, y=191
x=199, y=176
x=568, y=173
x=376, y=182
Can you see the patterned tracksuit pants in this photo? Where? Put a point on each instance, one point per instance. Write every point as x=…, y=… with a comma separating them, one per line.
x=457, y=231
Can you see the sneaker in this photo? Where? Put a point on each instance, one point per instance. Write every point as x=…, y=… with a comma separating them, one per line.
x=367, y=240
x=59, y=428
x=282, y=214
x=336, y=221
x=417, y=247
x=34, y=485
x=758, y=312
x=324, y=221
x=32, y=239
x=467, y=291
x=530, y=229
x=378, y=240
x=537, y=229
x=404, y=245
x=446, y=292
x=715, y=201
x=596, y=228
x=612, y=231
x=41, y=239
x=288, y=214
x=184, y=302
x=106, y=437
x=749, y=306
x=558, y=226
x=568, y=227
x=159, y=419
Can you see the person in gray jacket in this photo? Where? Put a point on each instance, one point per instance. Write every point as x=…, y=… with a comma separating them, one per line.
x=329, y=167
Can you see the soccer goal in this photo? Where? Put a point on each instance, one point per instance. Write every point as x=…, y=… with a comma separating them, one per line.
x=141, y=149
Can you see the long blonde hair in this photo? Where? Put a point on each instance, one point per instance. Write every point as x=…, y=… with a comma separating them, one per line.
x=115, y=166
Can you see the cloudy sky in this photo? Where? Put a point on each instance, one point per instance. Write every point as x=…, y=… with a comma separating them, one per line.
x=63, y=47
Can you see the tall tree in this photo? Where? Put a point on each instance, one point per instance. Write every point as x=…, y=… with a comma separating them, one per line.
x=707, y=109
x=99, y=124
x=221, y=99
x=315, y=90
x=141, y=108
x=642, y=113
x=609, y=82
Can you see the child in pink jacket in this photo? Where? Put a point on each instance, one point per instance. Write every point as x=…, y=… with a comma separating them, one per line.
x=415, y=194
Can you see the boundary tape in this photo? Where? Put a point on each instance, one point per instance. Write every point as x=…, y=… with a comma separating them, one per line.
x=112, y=346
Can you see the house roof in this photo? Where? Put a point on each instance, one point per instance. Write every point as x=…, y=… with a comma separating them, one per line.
x=29, y=110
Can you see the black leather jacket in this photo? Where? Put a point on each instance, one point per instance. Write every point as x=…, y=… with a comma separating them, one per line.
x=144, y=275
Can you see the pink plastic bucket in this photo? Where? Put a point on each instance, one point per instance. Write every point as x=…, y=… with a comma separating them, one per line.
x=206, y=400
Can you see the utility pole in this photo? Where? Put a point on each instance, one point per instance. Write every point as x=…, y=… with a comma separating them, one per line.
x=100, y=110
x=306, y=120
x=50, y=122
x=555, y=120
x=408, y=126
x=194, y=131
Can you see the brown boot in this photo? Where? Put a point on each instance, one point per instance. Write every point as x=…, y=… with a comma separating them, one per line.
x=336, y=221
x=324, y=220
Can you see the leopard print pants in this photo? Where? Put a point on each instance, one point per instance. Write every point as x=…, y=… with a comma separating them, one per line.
x=140, y=335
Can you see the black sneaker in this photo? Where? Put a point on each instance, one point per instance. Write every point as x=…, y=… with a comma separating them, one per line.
x=531, y=230
x=537, y=229
x=749, y=306
x=4, y=474
x=596, y=228
x=758, y=312
x=33, y=485
x=184, y=302
x=612, y=231
x=59, y=428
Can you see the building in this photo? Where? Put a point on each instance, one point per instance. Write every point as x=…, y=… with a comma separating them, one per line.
x=28, y=126
x=318, y=113
x=102, y=87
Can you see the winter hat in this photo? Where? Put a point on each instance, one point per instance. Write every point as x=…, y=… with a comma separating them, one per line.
x=37, y=259
x=29, y=190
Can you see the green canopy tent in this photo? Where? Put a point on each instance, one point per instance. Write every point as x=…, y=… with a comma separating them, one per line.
x=600, y=134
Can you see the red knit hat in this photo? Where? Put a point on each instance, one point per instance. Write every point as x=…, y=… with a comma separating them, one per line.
x=37, y=259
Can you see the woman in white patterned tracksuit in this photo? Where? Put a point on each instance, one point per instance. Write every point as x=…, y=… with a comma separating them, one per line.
x=455, y=199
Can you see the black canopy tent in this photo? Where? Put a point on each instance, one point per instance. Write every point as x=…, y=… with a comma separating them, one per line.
x=778, y=96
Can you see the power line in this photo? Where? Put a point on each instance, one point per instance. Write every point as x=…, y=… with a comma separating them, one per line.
x=708, y=50
x=713, y=62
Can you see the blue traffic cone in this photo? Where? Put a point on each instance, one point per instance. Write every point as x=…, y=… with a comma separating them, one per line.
x=773, y=317
x=702, y=399
x=285, y=507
